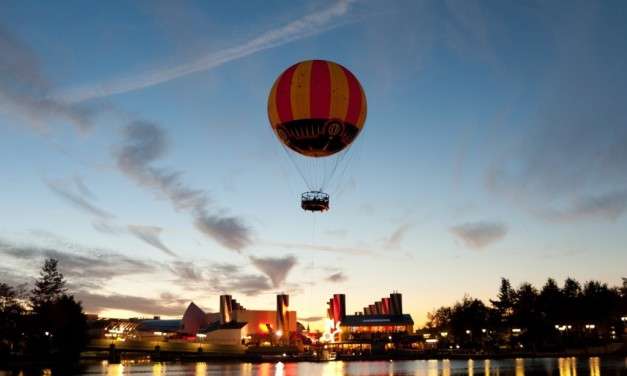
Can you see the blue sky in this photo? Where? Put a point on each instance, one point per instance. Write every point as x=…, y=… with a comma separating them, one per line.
x=137, y=150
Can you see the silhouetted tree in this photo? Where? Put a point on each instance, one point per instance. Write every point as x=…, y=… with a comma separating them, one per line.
x=504, y=304
x=469, y=322
x=49, y=287
x=11, y=316
x=527, y=315
x=571, y=293
x=549, y=301
x=57, y=324
x=439, y=319
x=537, y=314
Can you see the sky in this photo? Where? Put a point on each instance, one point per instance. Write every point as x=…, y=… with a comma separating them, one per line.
x=136, y=150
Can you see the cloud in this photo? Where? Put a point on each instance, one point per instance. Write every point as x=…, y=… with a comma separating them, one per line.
x=478, y=235
x=190, y=275
x=150, y=235
x=320, y=247
x=144, y=143
x=83, y=266
x=248, y=284
x=25, y=92
x=395, y=239
x=276, y=268
x=106, y=227
x=337, y=277
x=65, y=192
x=605, y=206
x=82, y=188
x=309, y=25
x=311, y=318
x=187, y=271
x=96, y=303
x=228, y=278
x=222, y=278
x=228, y=231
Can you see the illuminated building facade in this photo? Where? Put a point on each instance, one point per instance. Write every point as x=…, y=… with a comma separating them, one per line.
x=380, y=320
x=233, y=325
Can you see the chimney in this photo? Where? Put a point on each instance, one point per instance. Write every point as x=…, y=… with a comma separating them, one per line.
x=339, y=306
x=385, y=302
x=396, y=304
x=226, y=309
x=282, y=303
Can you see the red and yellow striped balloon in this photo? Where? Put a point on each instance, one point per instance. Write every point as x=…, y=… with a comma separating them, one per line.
x=317, y=107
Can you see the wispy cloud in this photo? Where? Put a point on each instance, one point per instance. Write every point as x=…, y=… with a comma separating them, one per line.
x=84, y=266
x=320, y=248
x=25, y=91
x=96, y=303
x=82, y=188
x=144, y=143
x=77, y=200
x=311, y=318
x=337, y=277
x=309, y=25
x=396, y=237
x=228, y=278
x=607, y=206
x=479, y=235
x=276, y=268
x=152, y=236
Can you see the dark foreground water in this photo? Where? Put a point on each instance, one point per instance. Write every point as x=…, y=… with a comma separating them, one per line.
x=503, y=367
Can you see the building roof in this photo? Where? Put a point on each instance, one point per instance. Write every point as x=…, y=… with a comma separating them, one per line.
x=217, y=326
x=160, y=325
x=376, y=320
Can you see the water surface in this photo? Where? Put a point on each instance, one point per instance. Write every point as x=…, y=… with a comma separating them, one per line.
x=503, y=367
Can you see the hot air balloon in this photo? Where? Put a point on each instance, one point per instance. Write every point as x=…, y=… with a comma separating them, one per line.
x=317, y=109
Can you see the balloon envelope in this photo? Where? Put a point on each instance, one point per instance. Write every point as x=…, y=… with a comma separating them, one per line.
x=317, y=108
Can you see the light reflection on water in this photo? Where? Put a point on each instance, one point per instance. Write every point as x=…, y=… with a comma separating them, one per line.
x=569, y=366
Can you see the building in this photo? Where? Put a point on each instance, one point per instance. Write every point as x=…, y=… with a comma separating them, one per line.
x=233, y=325
x=382, y=320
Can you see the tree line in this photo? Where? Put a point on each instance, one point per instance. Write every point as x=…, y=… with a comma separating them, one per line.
x=545, y=319
x=43, y=325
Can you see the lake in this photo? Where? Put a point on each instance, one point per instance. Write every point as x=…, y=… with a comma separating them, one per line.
x=593, y=366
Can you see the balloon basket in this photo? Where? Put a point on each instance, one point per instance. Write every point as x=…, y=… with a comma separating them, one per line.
x=314, y=201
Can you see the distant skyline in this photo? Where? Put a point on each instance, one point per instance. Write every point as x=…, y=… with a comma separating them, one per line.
x=138, y=152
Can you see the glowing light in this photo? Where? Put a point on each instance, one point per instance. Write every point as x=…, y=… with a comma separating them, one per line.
x=201, y=335
x=279, y=333
x=157, y=333
x=330, y=331
x=516, y=330
x=279, y=369
x=264, y=328
x=432, y=340
x=444, y=334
